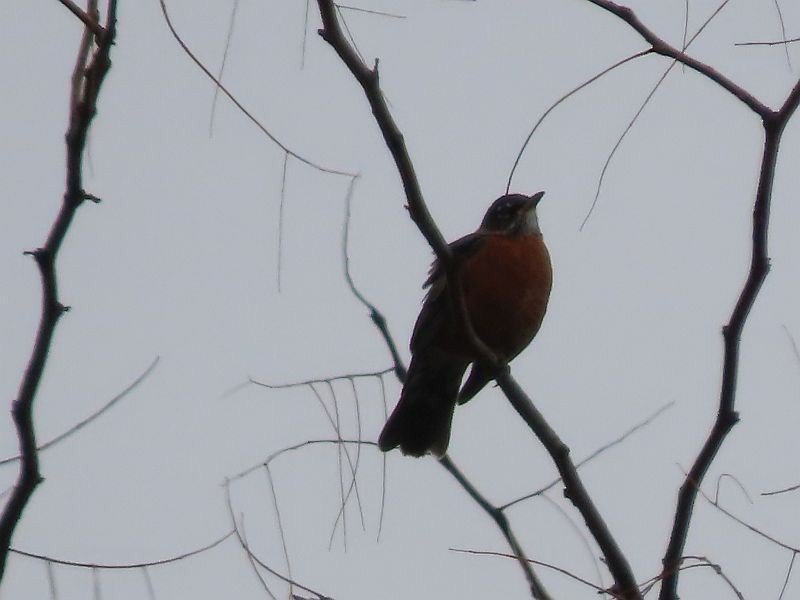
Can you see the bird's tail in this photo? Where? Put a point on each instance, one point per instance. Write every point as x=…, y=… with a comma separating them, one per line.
x=420, y=423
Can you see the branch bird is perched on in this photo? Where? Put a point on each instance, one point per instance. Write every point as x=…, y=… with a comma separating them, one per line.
x=506, y=278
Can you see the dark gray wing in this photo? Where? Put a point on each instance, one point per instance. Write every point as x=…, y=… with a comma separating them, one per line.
x=434, y=318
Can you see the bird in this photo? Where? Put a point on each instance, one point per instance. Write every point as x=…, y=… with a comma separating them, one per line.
x=506, y=278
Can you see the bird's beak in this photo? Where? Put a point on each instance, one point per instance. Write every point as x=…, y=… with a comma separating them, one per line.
x=533, y=201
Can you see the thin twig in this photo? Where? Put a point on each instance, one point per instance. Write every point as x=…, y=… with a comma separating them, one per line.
x=618, y=143
x=747, y=525
x=705, y=562
x=783, y=33
x=788, y=576
x=98, y=592
x=221, y=71
x=51, y=580
x=370, y=12
x=90, y=23
x=305, y=36
x=736, y=481
x=540, y=563
x=238, y=104
x=782, y=491
x=550, y=109
x=124, y=566
x=339, y=448
x=151, y=590
x=256, y=559
x=252, y=562
x=280, y=525
x=595, y=454
x=298, y=446
x=773, y=43
x=581, y=535
x=537, y=589
x=81, y=424
x=284, y=386
x=374, y=314
x=280, y=218
x=383, y=463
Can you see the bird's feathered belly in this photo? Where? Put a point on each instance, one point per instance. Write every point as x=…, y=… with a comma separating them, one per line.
x=506, y=289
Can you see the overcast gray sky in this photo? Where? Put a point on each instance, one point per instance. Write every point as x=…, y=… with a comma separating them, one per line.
x=180, y=261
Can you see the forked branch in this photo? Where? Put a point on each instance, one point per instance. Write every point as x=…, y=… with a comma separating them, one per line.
x=774, y=123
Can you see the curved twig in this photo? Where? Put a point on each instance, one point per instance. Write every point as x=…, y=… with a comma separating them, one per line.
x=552, y=107
x=641, y=108
x=83, y=423
x=256, y=560
x=126, y=566
x=374, y=314
x=238, y=104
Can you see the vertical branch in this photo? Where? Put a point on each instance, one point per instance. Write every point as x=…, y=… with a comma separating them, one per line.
x=727, y=416
x=90, y=71
x=774, y=123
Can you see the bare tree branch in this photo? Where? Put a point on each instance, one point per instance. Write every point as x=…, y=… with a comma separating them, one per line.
x=727, y=417
x=83, y=105
x=774, y=124
x=537, y=589
x=660, y=46
x=625, y=584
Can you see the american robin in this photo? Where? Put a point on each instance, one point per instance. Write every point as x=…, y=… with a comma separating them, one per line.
x=506, y=278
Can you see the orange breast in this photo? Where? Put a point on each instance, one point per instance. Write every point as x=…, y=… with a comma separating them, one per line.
x=506, y=288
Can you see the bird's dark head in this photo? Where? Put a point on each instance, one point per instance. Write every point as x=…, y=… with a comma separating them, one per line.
x=512, y=214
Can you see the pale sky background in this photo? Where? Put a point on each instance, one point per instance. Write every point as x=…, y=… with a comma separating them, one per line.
x=180, y=261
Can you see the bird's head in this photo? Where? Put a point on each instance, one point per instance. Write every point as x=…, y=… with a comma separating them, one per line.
x=512, y=214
